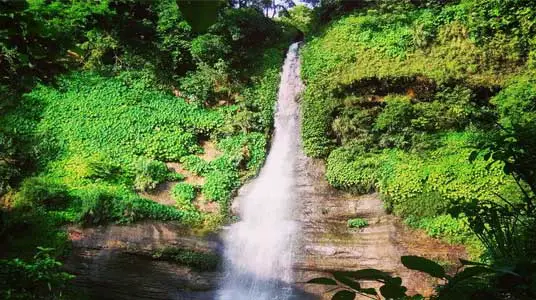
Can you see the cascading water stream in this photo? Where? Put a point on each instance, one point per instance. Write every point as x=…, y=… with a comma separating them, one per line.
x=258, y=249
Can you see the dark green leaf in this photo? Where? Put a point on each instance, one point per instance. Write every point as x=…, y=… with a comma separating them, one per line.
x=323, y=280
x=470, y=263
x=473, y=156
x=487, y=156
x=344, y=295
x=342, y=278
x=424, y=265
x=471, y=272
x=393, y=291
x=369, y=291
x=395, y=281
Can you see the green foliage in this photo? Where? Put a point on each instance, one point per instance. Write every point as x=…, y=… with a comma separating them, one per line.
x=454, y=230
x=220, y=185
x=207, y=84
x=149, y=173
x=300, y=16
x=505, y=25
x=209, y=48
x=398, y=97
x=184, y=194
x=200, y=261
x=86, y=117
x=39, y=278
x=102, y=204
x=357, y=223
x=470, y=282
x=195, y=164
x=42, y=192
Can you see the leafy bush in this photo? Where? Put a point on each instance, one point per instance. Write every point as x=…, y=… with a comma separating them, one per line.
x=357, y=223
x=149, y=173
x=195, y=164
x=37, y=192
x=220, y=185
x=207, y=84
x=209, y=48
x=39, y=278
x=300, y=16
x=102, y=204
x=184, y=194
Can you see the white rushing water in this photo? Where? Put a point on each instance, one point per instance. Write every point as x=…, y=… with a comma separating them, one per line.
x=258, y=249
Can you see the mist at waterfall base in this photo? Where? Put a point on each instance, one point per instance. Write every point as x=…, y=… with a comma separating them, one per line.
x=258, y=249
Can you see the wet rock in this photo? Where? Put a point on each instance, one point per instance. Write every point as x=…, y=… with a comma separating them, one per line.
x=115, y=262
x=327, y=244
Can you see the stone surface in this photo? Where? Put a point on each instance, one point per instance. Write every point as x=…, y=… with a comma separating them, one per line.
x=114, y=262
x=326, y=244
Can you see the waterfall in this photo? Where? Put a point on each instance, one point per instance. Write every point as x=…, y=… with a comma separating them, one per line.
x=258, y=249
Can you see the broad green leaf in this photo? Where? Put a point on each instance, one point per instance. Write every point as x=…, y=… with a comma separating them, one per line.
x=424, y=265
x=323, y=280
x=344, y=295
x=393, y=291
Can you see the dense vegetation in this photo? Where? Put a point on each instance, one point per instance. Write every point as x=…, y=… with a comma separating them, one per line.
x=431, y=104
x=99, y=97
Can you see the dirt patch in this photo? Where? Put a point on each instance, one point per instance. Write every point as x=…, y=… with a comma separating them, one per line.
x=206, y=206
x=161, y=194
x=190, y=177
x=210, y=152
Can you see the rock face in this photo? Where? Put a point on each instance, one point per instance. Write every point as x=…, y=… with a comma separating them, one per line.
x=115, y=262
x=327, y=244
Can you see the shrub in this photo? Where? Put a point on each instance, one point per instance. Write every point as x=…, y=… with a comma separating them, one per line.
x=104, y=168
x=149, y=173
x=100, y=204
x=219, y=185
x=395, y=116
x=184, y=194
x=39, y=278
x=97, y=206
x=301, y=17
x=195, y=164
x=357, y=223
x=208, y=84
x=209, y=48
x=42, y=192
x=354, y=170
